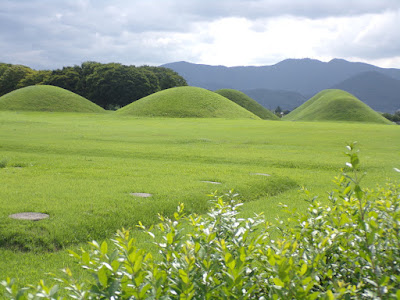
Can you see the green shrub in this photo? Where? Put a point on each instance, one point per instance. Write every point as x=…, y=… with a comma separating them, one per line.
x=349, y=249
x=3, y=163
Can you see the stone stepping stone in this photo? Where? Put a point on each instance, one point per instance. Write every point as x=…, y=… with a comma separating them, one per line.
x=32, y=216
x=212, y=182
x=260, y=174
x=142, y=195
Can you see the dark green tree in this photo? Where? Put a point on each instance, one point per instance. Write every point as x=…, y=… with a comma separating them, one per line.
x=167, y=78
x=278, y=111
x=68, y=78
x=118, y=85
x=86, y=69
x=12, y=76
x=394, y=118
x=3, y=68
x=36, y=77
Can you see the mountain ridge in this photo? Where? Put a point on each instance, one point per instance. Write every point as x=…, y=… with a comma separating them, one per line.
x=303, y=76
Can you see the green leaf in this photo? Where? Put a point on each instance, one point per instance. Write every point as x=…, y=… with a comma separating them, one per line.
x=347, y=190
x=138, y=264
x=102, y=275
x=330, y=295
x=272, y=260
x=54, y=290
x=231, y=265
x=74, y=254
x=359, y=192
x=306, y=280
x=184, y=276
x=354, y=160
x=303, y=269
x=277, y=281
x=170, y=238
x=144, y=290
x=228, y=257
x=85, y=258
x=314, y=296
x=115, y=265
x=104, y=248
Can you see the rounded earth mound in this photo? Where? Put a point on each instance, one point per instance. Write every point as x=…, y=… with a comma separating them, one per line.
x=248, y=103
x=335, y=105
x=186, y=102
x=47, y=98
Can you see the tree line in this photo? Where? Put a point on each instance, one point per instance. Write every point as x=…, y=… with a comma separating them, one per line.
x=394, y=118
x=110, y=85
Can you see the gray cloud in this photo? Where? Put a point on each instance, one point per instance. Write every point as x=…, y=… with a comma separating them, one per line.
x=49, y=34
x=254, y=9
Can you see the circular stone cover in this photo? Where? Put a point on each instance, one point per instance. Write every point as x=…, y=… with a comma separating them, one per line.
x=212, y=182
x=260, y=174
x=32, y=216
x=143, y=195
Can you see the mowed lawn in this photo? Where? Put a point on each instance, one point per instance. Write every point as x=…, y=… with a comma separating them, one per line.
x=82, y=168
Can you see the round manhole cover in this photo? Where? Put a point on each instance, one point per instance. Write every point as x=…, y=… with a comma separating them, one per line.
x=143, y=195
x=32, y=216
x=212, y=182
x=260, y=174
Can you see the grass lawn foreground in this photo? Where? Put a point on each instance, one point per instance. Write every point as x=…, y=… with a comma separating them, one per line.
x=82, y=169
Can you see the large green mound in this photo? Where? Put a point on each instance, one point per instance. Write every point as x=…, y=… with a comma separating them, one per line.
x=248, y=103
x=46, y=98
x=335, y=105
x=186, y=102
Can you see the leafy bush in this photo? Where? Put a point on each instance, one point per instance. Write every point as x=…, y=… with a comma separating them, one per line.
x=349, y=249
x=394, y=118
x=3, y=163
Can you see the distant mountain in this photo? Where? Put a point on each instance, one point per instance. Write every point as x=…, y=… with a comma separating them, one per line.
x=303, y=76
x=377, y=90
x=271, y=99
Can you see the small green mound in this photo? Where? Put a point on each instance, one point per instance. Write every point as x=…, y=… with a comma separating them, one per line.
x=185, y=102
x=46, y=98
x=335, y=105
x=248, y=103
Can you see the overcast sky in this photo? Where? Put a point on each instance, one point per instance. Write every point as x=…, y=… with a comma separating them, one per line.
x=54, y=33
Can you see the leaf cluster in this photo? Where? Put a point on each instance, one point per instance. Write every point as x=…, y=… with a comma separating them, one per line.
x=349, y=249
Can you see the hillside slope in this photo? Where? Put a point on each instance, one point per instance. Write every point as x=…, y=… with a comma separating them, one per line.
x=335, y=105
x=46, y=98
x=186, y=102
x=246, y=102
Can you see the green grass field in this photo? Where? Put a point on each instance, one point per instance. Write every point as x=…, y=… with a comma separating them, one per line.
x=335, y=105
x=81, y=169
x=248, y=103
x=186, y=102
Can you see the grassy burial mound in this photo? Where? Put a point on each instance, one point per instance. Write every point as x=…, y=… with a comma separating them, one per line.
x=186, y=102
x=248, y=103
x=335, y=105
x=46, y=98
